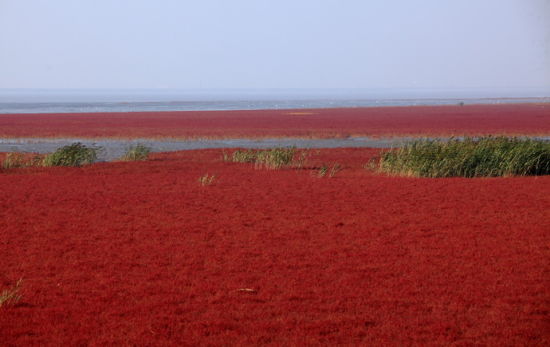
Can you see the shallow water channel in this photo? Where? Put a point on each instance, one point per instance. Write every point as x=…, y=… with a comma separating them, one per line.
x=111, y=149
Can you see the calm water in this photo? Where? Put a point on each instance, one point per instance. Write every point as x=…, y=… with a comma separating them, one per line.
x=29, y=106
x=113, y=148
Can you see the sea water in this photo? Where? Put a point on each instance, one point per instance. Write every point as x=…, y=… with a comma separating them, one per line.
x=36, y=101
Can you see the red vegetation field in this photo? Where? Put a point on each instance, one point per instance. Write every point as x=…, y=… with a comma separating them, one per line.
x=140, y=253
x=511, y=119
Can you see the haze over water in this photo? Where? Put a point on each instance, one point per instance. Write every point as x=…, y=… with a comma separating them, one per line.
x=397, y=49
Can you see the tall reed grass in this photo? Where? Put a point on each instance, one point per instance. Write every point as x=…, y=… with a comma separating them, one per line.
x=136, y=152
x=469, y=157
x=15, y=160
x=272, y=158
x=244, y=156
x=275, y=158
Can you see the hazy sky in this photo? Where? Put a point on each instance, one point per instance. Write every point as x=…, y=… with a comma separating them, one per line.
x=275, y=44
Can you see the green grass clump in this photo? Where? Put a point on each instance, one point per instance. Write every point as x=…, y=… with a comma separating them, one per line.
x=14, y=160
x=12, y=295
x=322, y=171
x=275, y=158
x=18, y=160
x=137, y=152
x=272, y=158
x=244, y=156
x=334, y=170
x=331, y=170
x=206, y=179
x=469, y=157
x=75, y=154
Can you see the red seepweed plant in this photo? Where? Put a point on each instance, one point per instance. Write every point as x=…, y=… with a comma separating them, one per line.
x=140, y=253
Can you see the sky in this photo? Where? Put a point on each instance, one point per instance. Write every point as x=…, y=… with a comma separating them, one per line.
x=259, y=44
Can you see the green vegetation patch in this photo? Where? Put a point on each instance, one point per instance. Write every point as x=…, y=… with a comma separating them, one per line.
x=275, y=158
x=136, y=152
x=272, y=158
x=330, y=170
x=469, y=157
x=75, y=154
x=18, y=160
x=244, y=156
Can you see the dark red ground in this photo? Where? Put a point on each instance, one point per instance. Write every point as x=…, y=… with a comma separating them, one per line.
x=142, y=254
x=511, y=119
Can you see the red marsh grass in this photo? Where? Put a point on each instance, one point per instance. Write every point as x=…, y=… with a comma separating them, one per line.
x=140, y=253
x=415, y=121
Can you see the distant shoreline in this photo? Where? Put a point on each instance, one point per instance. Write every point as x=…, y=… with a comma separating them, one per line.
x=247, y=105
x=439, y=120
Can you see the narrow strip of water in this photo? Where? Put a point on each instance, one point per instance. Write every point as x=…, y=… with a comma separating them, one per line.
x=111, y=149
